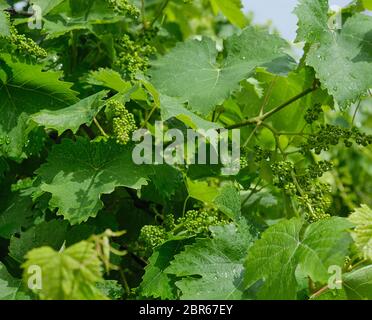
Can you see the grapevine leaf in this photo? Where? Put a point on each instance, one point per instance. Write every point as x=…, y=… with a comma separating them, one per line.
x=77, y=15
x=226, y=199
x=173, y=107
x=77, y=173
x=68, y=275
x=218, y=262
x=191, y=71
x=232, y=10
x=51, y=234
x=4, y=24
x=367, y=4
x=11, y=288
x=289, y=244
x=280, y=89
x=342, y=60
x=46, y=5
x=83, y=112
x=155, y=282
x=111, y=289
x=25, y=91
x=166, y=180
x=108, y=78
x=202, y=191
x=15, y=213
x=362, y=234
x=358, y=283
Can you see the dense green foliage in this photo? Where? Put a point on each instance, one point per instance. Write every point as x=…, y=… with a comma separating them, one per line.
x=74, y=204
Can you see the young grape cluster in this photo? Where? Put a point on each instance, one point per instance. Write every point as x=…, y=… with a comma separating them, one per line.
x=261, y=154
x=124, y=7
x=258, y=153
x=152, y=236
x=199, y=221
x=123, y=123
x=313, y=113
x=331, y=135
x=312, y=195
x=133, y=57
x=26, y=45
x=192, y=223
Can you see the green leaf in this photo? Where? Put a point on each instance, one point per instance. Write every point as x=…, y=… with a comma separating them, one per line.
x=46, y=5
x=78, y=173
x=367, y=4
x=25, y=91
x=228, y=201
x=111, y=289
x=358, y=284
x=362, y=234
x=15, y=213
x=51, y=234
x=68, y=275
x=166, y=179
x=72, y=117
x=4, y=24
x=11, y=288
x=291, y=243
x=155, y=282
x=174, y=108
x=226, y=198
x=191, y=71
x=109, y=79
x=77, y=15
x=342, y=59
x=218, y=263
x=280, y=89
x=232, y=9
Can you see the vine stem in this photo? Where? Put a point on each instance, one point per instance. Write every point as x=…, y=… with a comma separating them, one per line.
x=260, y=119
x=100, y=127
x=143, y=14
x=160, y=11
x=149, y=116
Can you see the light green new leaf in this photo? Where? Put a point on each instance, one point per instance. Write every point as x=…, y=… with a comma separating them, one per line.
x=46, y=5
x=108, y=78
x=72, y=117
x=367, y=4
x=24, y=90
x=218, y=262
x=232, y=9
x=281, y=89
x=4, y=24
x=11, y=288
x=68, y=275
x=362, y=234
x=191, y=71
x=226, y=198
x=342, y=58
x=174, y=108
x=78, y=173
x=289, y=244
x=51, y=234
